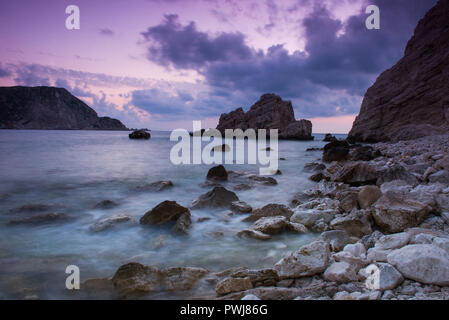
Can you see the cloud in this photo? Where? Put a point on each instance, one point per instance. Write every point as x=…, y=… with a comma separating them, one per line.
x=4, y=72
x=106, y=32
x=184, y=47
x=341, y=59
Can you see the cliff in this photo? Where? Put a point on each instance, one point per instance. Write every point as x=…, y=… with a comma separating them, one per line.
x=49, y=108
x=411, y=100
x=269, y=112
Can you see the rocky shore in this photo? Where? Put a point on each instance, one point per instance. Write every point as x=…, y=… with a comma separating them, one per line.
x=384, y=218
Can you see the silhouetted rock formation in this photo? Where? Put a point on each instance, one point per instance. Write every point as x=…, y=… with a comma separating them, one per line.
x=49, y=108
x=270, y=112
x=411, y=100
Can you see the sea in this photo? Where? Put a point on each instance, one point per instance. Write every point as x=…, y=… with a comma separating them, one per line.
x=71, y=171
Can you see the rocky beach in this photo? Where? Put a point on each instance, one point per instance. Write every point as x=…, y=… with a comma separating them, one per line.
x=362, y=216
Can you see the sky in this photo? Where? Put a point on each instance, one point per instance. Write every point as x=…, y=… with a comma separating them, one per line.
x=161, y=64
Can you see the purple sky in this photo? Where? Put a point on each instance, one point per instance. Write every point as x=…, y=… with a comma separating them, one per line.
x=161, y=64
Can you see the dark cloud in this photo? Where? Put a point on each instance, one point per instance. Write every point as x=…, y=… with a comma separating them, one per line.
x=28, y=75
x=106, y=32
x=4, y=72
x=339, y=63
x=184, y=47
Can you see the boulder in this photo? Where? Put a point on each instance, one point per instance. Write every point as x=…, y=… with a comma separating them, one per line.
x=329, y=138
x=310, y=217
x=337, y=239
x=393, y=241
x=217, y=173
x=240, y=207
x=363, y=153
x=135, y=279
x=168, y=211
x=368, y=195
x=340, y=272
x=270, y=210
x=270, y=225
x=140, y=134
x=229, y=285
x=441, y=176
x=355, y=224
x=395, y=211
x=258, y=278
x=383, y=276
x=307, y=261
x=423, y=263
x=356, y=174
x=110, y=222
x=253, y=234
x=298, y=130
x=217, y=197
x=336, y=151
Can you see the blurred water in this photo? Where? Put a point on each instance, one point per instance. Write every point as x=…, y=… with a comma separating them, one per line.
x=71, y=171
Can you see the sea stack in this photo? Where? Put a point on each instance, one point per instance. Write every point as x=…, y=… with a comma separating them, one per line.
x=269, y=112
x=411, y=100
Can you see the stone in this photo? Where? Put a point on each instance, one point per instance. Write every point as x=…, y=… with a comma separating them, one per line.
x=217, y=197
x=423, y=263
x=310, y=217
x=309, y=260
x=441, y=176
x=263, y=180
x=409, y=100
x=296, y=227
x=343, y=295
x=110, y=222
x=135, y=279
x=270, y=225
x=270, y=210
x=395, y=211
x=183, y=223
x=348, y=200
x=164, y=212
x=336, y=151
x=370, y=239
x=356, y=174
x=250, y=297
x=317, y=177
x=329, y=138
x=340, y=272
x=229, y=285
x=337, y=239
x=269, y=112
x=314, y=166
x=355, y=224
x=368, y=195
x=140, y=134
x=217, y=173
x=393, y=241
x=377, y=255
x=253, y=234
x=258, y=278
x=156, y=186
x=240, y=207
x=363, y=153
x=388, y=277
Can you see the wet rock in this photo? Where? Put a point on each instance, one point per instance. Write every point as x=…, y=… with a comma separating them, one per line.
x=110, y=222
x=106, y=204
x=314, y=166
x=156, y=186
x=42, y=219
x=263, y=180
x=253, y=234
x=135, y=279
x=229, y=285
x=217, y=173
x=140, y=134
x=240, y=207
x=317, y=177
x=329, y=138
x=217, y=197
x=423, y=263
x=335, y=151
x=270, y=225
x=309, y=260
x=270, y=210
x=168, y=211
x=355, y=224
x=368, y=195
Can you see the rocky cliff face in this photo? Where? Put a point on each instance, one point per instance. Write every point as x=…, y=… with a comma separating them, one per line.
x=49, y=108
x=411, y=100
x=270, y=112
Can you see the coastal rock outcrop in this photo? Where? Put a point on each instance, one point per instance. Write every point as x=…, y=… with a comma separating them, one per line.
x=410, y=100
x=49, y=108
x=270, y=112
x=168, y=211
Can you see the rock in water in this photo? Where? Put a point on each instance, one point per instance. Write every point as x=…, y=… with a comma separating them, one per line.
x=49, y=108
x=140, y=134
x=411, y=99
x=169, y=211
x=270, y=112
x=217, y=197
x=217, y=173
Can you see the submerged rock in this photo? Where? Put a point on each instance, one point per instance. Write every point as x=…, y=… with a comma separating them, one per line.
x=217, y=173
x=217, y=197
x=241, y=207
x=329, y=138
x=156, y=186
x=106, y=204
x=110, y=222
x=46, y=218
x=253, y=234
x=32, y=207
